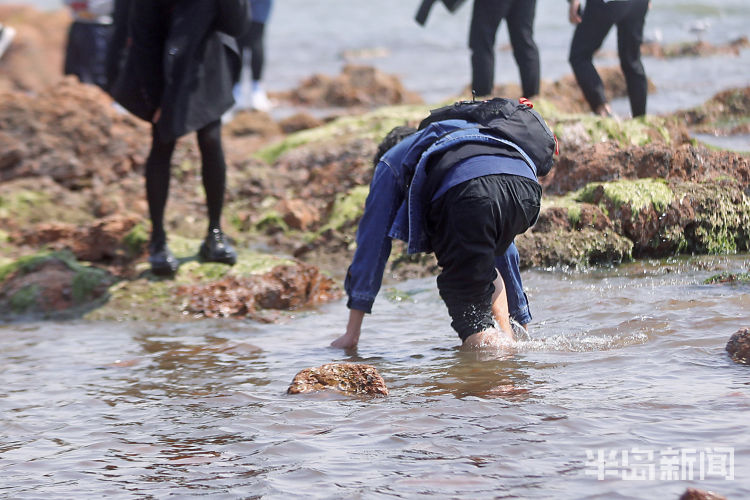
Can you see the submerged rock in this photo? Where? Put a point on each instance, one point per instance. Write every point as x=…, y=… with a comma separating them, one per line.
x=738, y=346
x=696, y=494
x=347, y=378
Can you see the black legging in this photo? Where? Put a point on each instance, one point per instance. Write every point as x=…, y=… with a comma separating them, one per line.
x=598, y=18
x=251, y=43
x=213, y=172
x=485, y=21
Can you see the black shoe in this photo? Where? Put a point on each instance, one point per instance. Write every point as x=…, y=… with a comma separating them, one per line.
x=163, y=263
x=215, y=248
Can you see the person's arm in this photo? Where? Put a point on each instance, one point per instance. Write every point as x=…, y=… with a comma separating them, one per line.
x=574, y=11
x=353, y=329
x=365, y=274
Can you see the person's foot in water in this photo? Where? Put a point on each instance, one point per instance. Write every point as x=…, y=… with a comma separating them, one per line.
x=215, y=248
x=163, y=262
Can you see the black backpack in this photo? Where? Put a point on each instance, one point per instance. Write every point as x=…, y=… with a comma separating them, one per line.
x=515, y=121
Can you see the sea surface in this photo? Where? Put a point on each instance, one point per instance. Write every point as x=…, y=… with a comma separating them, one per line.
x=624, y=390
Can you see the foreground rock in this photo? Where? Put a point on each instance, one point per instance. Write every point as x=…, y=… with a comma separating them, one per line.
x=346, y=378
x=738, y=346
x=696, y=494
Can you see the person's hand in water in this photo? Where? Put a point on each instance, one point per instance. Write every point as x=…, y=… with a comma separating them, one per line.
x=353, y=328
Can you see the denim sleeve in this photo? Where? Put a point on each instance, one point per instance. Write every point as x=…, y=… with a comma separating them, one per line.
x=518, y=303
x=365, y=274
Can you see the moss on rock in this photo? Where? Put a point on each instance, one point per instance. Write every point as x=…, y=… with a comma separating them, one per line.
x=638, y=194
x=373, y=125
x=573, y=248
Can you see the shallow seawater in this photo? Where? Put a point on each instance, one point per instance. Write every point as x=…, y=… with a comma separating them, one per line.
x=622, y=361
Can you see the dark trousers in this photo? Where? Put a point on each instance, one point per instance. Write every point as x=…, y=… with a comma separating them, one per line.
x=253, y=50
x=469, y=226
x=598, y=19
x=86, y=52
x=485, y=20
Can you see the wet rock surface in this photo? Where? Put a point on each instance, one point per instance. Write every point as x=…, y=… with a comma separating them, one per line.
x=738, y=346
x=696, y=494
x=346, y=378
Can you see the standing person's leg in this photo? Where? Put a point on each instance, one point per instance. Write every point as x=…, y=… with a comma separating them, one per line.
x=485, y=20
x=213, y=171
x=587, y=39
x=521, y=30
x=157, y=173
x=629, y=39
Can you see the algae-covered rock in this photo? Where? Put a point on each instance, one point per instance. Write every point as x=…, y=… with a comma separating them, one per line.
x=50, y=285
x=572, y=248
x=346, y=378
x=665, y=218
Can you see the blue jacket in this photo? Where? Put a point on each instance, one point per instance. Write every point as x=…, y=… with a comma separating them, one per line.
x=396, y=205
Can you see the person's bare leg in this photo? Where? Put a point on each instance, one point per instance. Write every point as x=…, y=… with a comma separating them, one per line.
x=500, y=306
x=492, y=337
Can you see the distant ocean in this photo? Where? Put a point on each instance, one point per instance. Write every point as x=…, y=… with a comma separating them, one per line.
x=306, y=37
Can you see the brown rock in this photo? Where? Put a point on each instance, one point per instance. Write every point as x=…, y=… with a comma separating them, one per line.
x=298, y=214
x=696, y=494
x=247, y=123
x=347, y=378
x=355, y=86
x=299, y=121
x=738, y=346
x=286, y=287
x=101, y=241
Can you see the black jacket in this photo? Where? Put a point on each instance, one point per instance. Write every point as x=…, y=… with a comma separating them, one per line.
x=181, y=58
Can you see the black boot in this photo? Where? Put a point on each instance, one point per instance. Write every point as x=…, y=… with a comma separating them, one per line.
x=163, y=262
x=215, y=248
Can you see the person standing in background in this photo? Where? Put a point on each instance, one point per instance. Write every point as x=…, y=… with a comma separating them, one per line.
x=592, y=26
x=485, y=21
x=249, y=92
x=179, y=66
x=88, y=39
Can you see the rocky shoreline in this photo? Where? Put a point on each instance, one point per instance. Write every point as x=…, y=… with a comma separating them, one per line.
x=73, y=218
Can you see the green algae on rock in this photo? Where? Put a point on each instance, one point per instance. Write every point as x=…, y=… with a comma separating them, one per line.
x=373, y=125
x=637, y=194
x=580, y=248
x=52, y=284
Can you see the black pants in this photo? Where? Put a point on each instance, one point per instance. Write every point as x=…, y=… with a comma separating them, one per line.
x=253, y=50
x=485, y=20
x=86, y=52
x=468, y=226
x=598, y=19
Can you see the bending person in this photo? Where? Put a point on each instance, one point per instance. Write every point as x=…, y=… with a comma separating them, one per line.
x=455, y=188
